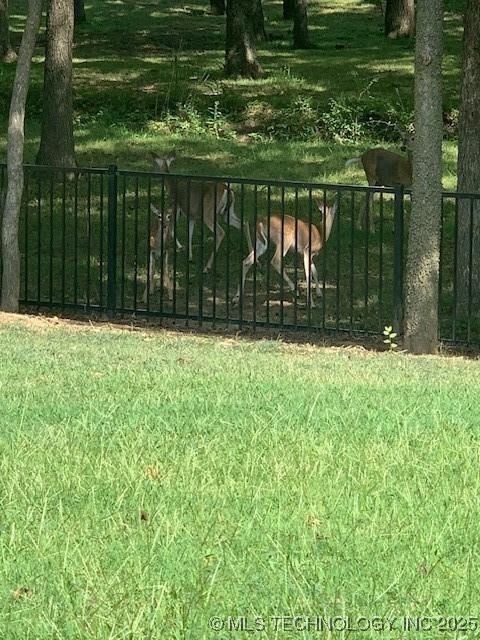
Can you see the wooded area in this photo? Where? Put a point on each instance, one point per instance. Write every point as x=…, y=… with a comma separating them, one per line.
x=249, y=30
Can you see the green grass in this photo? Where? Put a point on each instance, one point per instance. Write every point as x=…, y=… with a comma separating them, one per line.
x=134, y=61
x=273, y=480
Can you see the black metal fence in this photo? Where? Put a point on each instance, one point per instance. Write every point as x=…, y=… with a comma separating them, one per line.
x=86, y=237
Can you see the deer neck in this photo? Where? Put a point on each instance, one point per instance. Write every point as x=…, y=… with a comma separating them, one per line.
x=329, y=218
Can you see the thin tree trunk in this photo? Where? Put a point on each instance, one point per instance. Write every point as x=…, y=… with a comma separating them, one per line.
x=6, y=52
x=56, y=144
x=240, y=51
x=468, y=234
x=79, y=11
x=300, y=25
x=288, y=8
x=421, y=309
x=11, y=212
x=217, y=7
x=400, y=18
x=259, y=22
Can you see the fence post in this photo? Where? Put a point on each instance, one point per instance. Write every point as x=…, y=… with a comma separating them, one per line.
x=112, y=241
x=398, y=261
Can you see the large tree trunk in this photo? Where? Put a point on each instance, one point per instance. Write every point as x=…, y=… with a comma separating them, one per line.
x=400, y=18
x=56, y=144
x=259, y=22
x=468, y=242
x=300, y=25
x=288, y=8
x=7, y=54
x=240, y=51
x=79, y=11
x=421, y=309
x=217, y=7
x=11, y=212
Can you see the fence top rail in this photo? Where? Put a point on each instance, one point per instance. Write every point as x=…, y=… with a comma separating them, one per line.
x=262, y=182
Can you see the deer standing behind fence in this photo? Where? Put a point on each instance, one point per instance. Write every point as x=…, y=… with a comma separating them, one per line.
x=308, y=241
x=199, y=200
x=385, y=168
x=160, y=241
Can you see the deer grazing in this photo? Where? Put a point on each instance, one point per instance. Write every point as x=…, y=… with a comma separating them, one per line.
x=197, y=200
x=384, y=168
x=161, y=238
x=310, y=239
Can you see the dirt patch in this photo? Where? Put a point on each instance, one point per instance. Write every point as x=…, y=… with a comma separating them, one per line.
x=300, y=342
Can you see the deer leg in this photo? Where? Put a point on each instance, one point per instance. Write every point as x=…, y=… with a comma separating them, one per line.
x=191, y=227
x=179, y=213
x=317, y=282
x=168, y=281
x=220, y=236
x=277, y=265
x=307, y=269
x=150, y=287
x=261, y=247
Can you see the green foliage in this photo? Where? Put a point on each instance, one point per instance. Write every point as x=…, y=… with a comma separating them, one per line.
x=390, y=337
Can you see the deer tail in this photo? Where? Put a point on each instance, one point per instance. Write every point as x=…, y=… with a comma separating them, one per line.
x=352, y=161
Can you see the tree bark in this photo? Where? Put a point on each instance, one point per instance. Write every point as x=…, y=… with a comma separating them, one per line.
x=79, y=11
x=288, y=8
x=217, y=7
x=468, y=169
x=300, y=25
x=56, y=143
x=240, y=51
x=421, y=309
x=16, y=136
x=259, y=22
x=6, y=52
x=400, y=18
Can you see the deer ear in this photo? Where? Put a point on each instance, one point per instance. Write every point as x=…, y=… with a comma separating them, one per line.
x=154, y=210
x=320, y=205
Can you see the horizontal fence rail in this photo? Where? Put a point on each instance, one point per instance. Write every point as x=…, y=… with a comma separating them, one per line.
x=238, y=252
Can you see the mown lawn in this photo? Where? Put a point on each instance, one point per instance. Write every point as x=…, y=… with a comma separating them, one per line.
x=149, y=481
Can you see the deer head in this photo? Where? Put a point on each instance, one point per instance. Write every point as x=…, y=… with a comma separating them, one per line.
x=162, y=163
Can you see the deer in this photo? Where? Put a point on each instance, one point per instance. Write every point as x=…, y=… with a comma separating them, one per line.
x=385, y=168
x=196, y=199
x=310, y=239
x=161, y=237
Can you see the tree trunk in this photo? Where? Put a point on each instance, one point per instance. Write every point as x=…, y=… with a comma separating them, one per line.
x=421, y=309
x=300, y=25
x=259, y=22
x=240, y=51
x=11, y=212
x=400, y=18
x=288, y=8
x=468, y=235
x=56, y=144
x=79, y=11
x=6, y=52
x=217, y=7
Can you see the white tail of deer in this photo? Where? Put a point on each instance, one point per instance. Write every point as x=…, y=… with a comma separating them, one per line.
x=384, y=168
x=201, y=200
x=160, y=241
x=309, y=240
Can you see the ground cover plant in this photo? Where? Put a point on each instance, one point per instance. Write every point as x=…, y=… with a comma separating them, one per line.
x=150, y=481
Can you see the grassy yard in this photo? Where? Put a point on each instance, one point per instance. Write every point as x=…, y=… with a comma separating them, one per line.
x=137, y=64
x=150, y=481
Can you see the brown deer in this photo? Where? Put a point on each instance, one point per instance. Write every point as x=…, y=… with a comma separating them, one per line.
x=310, y=239
x=161, y=238
x=384, y=168
x=197, y=199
